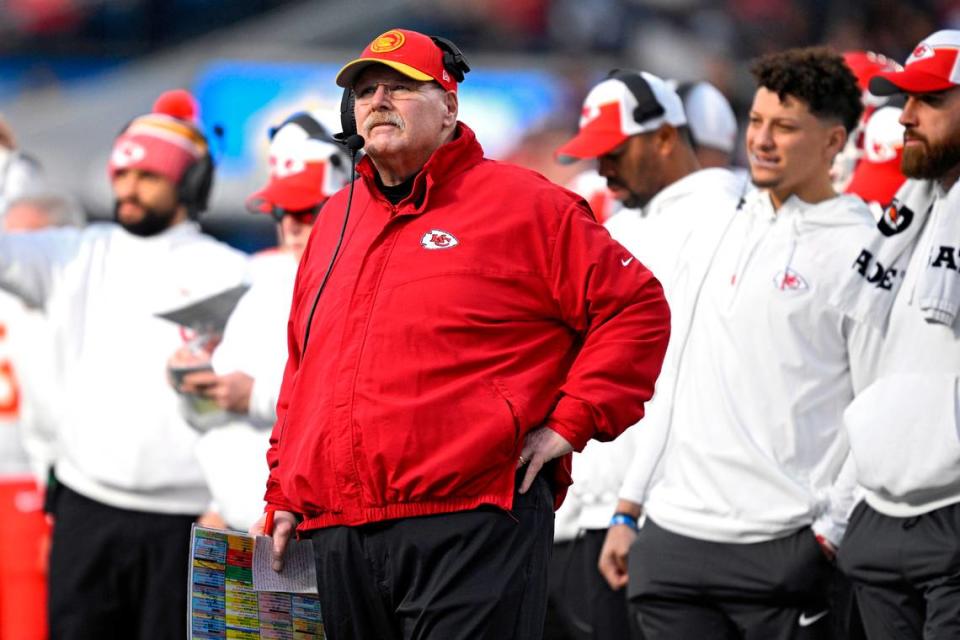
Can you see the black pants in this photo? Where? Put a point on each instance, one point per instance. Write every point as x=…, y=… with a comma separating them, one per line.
x=684, y=588
x=116, y=573
x=476, y=575
x=906, y=572
x=583, y=603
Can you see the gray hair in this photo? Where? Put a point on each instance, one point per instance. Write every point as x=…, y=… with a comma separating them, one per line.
x=63, y=209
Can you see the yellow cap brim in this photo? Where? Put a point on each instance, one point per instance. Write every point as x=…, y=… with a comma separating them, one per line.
x=352, y=69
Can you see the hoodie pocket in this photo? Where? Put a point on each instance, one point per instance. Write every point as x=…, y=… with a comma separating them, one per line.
x=904, y=435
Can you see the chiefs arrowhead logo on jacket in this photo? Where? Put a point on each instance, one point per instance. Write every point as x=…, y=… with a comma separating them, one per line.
x=437, y=239
x=789, y=280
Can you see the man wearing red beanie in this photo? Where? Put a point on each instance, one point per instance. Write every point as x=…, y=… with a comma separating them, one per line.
x=451, y=342
x=128, y=485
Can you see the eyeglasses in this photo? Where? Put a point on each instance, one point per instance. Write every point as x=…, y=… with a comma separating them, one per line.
x=395, y=90
x=304, y=216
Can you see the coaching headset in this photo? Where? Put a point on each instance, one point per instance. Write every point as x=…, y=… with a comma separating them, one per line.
x=196, y=184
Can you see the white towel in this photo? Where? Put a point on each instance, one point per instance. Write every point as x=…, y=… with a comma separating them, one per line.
x=938, y=291
x=877, y=271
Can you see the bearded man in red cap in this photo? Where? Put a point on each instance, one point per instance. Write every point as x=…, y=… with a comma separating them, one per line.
x=902, y=548
x=128, y=486
x=451, y=342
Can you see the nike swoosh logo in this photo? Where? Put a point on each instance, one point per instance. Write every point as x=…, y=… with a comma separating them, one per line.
x=627, y=261
x=806, y=621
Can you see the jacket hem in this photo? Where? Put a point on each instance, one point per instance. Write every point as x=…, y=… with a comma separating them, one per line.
x=370, y=515
x=736, y=532
x=902, y=510
x=169, y=500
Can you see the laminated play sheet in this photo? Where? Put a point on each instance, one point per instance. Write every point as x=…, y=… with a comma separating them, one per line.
x=223, y=602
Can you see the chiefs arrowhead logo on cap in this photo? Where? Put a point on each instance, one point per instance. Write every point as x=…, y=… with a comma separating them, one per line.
x=589, y=113
x=127, y=152
x=389, y=41
x=283, y=167
x=922, y=51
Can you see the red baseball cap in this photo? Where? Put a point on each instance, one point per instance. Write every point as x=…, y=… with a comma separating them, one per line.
x=413, y=54
x=877, y=176
x=866, y=64
x=933, y=66
x=614, y=111
x=306, y=167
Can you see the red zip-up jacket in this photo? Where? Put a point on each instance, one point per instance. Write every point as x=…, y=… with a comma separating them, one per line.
x=487, y=303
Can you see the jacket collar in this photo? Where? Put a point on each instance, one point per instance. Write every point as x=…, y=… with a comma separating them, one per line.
x=448, y=161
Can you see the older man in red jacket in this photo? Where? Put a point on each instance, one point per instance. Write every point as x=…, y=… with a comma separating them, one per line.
x=476, y=326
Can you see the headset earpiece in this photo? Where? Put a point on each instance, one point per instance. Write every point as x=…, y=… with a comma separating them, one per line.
x=196, y=185
x=348, y=120
x=348, y=138
x=453, y=60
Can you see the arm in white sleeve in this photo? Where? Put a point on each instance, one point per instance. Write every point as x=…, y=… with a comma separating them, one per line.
x=31, y=261
x=650, y=440
x=863, y=349
x=864, y=344
x=19, y=175
x=253, y=344
x=843, y=495
x=263, y=400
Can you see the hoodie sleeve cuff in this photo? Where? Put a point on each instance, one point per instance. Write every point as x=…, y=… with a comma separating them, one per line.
x=830, y=529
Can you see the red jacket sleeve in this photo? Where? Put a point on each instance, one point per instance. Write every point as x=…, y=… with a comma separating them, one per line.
x=618, y=308
x=274, y=496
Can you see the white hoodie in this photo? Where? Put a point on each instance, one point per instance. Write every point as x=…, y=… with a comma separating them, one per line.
x=121, y=439
x=904, y=428
x=234, y=456
x=29, y=387
x=744, y=442
x=658, y=235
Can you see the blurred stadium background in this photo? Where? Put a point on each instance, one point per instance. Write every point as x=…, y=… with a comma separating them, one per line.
x=72, y=72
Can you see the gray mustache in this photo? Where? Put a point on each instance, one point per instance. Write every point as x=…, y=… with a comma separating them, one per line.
x=376, y=118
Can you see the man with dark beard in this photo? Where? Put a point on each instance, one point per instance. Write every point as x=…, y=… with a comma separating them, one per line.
x=128, y=485
x=902, y=549
x=634, y=125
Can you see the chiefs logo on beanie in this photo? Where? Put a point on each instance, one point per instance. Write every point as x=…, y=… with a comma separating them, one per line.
x=166, y=142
